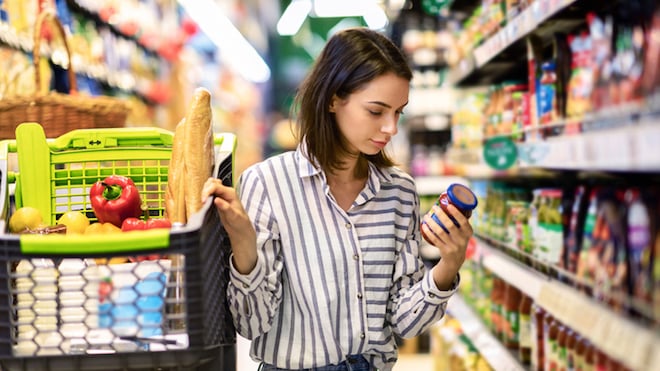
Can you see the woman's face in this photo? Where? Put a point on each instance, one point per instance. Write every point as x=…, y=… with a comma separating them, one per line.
x=368, y=117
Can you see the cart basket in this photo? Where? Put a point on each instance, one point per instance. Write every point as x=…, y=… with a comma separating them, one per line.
x=154, y=299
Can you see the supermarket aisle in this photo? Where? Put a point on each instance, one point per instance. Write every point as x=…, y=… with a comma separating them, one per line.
x=243, y=360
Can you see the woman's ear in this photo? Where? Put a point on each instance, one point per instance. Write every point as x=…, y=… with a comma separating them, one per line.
x=333, y=103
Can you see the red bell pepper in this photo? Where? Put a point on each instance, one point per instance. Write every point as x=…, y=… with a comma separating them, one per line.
x=136, y=224
x=115, y=199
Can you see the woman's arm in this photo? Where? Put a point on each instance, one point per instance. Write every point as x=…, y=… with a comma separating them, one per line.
x=254, y=291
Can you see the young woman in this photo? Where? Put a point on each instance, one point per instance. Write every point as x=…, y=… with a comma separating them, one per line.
x=325, y=267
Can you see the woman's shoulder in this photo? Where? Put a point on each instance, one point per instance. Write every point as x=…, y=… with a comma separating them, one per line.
x=398, y=177
x=270, y=163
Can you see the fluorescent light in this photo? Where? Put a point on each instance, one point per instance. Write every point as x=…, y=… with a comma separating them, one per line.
x=340, y=8
x=293, y=17
x=375, y=17
x=235, y=50
x=298, y=10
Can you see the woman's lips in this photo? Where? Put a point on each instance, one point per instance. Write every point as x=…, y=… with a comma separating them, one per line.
x=380, y=144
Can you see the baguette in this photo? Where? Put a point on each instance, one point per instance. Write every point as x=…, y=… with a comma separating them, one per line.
x=198, y=149
x=174, y=196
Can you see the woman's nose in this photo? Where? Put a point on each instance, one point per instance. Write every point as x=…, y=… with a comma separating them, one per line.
x=390, y=126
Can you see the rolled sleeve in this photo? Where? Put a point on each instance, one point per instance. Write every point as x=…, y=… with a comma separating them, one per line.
x=246, y=283
x=432, y=294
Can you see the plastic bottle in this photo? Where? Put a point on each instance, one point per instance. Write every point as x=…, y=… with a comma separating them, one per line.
x=525, y=330
x=538, y=345
x=512, y=299
x=458, y=195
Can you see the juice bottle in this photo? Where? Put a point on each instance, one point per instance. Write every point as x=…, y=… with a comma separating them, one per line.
x=525, y=330
x=537, y=350
x=512, y=299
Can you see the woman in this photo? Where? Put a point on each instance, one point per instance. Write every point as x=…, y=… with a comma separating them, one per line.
x=325, y=267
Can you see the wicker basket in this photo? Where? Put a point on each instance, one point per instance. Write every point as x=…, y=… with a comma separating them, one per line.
x=59, y=113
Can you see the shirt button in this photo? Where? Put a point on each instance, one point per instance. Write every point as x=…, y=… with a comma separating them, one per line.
x=246, y=286
x=362, y=336
x=356, y=257
x=431, y=296
x=348, y=225
x=359, y=295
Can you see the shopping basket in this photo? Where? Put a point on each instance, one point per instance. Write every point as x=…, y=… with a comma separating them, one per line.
x=57, y=311
x=58, y=112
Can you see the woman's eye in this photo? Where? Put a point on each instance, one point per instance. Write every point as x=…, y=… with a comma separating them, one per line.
x=375, y=113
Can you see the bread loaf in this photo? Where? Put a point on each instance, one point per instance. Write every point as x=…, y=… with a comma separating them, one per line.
x=198, y=149
x=174, y=197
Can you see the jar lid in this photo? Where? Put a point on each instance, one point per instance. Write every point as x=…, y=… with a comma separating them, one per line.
x=462, y=197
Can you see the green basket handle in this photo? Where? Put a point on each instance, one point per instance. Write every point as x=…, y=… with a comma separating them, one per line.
x=109, y=137
x=92, y=244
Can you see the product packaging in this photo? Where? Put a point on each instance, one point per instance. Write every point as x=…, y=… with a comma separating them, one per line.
x=580, y=85
x=458, y=195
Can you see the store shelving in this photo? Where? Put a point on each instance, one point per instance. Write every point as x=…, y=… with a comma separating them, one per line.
x=434, y=185
x=621, y=337
x=627, y=142
x=498, y=356
x=498, y=55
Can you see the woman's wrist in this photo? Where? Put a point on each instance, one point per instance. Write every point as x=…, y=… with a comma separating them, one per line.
x=444, y=275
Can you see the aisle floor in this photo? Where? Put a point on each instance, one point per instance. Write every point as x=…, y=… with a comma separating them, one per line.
x=407, y=362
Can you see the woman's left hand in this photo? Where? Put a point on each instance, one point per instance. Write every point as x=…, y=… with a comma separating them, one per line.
x=452, y=242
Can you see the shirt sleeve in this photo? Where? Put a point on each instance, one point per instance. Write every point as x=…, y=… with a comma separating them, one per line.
x=255, y=297
x=416, y=303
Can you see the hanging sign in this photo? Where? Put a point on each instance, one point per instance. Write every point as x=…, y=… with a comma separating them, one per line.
x=500, y=153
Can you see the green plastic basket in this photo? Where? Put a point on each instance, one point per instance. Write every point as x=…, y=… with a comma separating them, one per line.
x=55, y=175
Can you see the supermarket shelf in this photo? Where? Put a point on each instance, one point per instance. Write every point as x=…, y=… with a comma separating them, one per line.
x=617, y=335
x=524, y=23
x=480, y=67
x=497, y=355
x=628, y=147
x=435, y=185
x=123, y=80
x=526, y=279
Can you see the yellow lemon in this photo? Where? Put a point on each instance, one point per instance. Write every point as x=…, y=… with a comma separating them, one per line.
x=76, y=222
x=26, y=217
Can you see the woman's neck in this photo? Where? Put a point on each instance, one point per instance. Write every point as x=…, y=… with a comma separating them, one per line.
x=353, y=169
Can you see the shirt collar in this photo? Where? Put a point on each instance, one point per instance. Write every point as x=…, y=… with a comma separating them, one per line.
x=306, y=168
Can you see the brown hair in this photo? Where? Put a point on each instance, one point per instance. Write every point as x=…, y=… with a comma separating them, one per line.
x=350, y=59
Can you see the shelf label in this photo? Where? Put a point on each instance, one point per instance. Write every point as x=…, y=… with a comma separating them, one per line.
x=500, y=153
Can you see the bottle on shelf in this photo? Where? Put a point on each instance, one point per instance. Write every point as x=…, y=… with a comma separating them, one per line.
x=525, y=330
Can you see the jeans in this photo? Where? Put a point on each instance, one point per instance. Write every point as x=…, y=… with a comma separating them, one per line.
x=352, y=363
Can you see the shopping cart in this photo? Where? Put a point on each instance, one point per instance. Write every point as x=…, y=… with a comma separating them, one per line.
x=154, y=299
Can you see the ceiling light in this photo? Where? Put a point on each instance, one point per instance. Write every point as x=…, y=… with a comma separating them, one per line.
x=293, y=17
x=235, y=50
x=298, y=10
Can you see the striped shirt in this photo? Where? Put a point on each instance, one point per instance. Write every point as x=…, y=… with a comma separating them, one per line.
x=330, y=283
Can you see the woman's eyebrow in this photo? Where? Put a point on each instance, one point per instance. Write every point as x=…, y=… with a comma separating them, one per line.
x=385, y=104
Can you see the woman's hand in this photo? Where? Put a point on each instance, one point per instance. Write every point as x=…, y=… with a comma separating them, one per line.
x=236, y=222
x=451, y=242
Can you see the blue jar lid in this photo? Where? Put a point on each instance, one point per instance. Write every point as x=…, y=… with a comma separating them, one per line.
x=462, y=197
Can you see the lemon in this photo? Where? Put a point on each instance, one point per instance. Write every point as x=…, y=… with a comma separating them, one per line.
x=76, y=222
x=26, y=217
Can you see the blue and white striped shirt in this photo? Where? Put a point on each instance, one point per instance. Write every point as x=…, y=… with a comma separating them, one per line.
x=329, y=283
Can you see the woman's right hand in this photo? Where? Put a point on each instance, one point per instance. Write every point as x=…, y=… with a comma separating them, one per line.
x=236, y=222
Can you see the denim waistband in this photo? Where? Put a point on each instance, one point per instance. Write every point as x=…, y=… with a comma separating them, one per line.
x=354, y=362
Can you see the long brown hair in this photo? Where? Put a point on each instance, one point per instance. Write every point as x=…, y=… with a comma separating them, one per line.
x=350, y=59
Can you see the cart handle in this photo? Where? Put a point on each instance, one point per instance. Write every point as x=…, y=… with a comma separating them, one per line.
x=91, y=244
